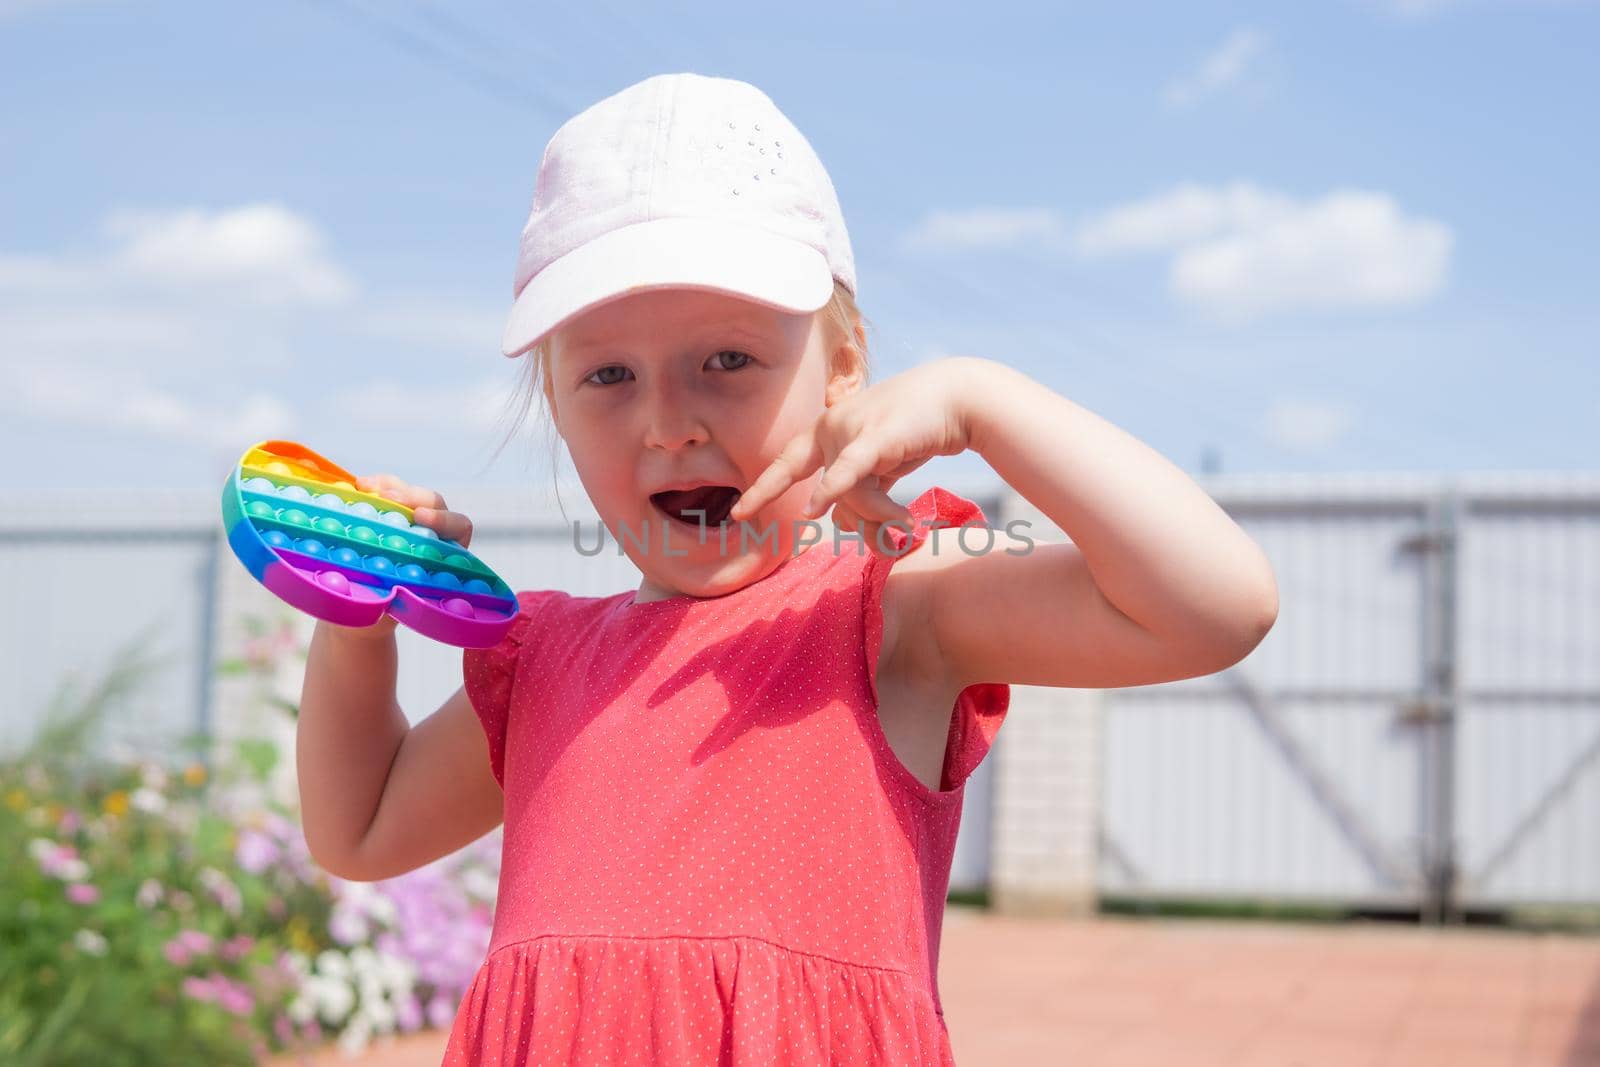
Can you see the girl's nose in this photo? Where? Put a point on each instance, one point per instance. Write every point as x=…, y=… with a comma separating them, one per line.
x=671, y=425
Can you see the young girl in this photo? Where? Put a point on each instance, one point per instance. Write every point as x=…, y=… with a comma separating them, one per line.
x=731, y=796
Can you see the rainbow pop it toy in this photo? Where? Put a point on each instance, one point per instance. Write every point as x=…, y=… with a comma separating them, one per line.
x=301, y=527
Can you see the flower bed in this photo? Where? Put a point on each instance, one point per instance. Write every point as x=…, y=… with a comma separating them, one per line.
x=160, y=911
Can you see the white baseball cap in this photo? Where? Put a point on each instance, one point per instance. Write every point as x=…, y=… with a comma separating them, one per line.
x=678, y=181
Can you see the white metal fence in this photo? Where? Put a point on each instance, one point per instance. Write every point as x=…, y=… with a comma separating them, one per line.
x=1421, y=728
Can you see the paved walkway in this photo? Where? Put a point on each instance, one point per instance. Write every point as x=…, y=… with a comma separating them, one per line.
x=1194, y=993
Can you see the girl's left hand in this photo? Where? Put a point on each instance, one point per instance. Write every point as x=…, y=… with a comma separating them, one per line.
x=868, y=441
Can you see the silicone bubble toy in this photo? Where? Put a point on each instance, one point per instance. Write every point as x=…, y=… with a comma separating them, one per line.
x=301, y=527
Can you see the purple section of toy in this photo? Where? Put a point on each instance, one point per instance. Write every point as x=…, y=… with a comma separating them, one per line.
x=363, y=589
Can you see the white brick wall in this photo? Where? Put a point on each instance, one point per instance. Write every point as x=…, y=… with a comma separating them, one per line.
x=1046, y=802
x=1046, y=812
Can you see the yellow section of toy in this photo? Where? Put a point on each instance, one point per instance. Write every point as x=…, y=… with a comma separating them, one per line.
x=282, y=470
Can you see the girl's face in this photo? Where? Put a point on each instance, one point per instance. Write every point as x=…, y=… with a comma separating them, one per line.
x=668, y=388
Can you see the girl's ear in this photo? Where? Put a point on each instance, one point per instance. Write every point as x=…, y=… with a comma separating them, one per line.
x=848, y=365
x=842, y=385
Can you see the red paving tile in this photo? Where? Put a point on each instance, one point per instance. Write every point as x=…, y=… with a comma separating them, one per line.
x=1192, y=993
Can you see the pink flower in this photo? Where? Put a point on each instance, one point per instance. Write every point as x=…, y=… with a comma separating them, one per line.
x=237, y=947
x=441, y=1013
x=214, y=988
x=234, y=997
x=70, y=822
x=82, y=893
x=408, y=1013
x=202, y=989
x=58, y=861
x=196, y=941
x=185, y=946
x=256, y=851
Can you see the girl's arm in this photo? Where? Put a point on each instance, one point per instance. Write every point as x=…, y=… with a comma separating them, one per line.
x=1158, y=583
x=379, y=797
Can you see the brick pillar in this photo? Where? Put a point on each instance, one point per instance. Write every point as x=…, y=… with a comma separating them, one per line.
x=1046, y=803
x=1046, y=814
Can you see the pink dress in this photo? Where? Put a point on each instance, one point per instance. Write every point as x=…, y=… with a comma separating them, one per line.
x=711, y=853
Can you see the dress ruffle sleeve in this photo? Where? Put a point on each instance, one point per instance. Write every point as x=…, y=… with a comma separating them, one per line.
x=979, y=708
x=489, y=674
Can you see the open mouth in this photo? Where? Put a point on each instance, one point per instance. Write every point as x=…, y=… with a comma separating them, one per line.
x=705, y=506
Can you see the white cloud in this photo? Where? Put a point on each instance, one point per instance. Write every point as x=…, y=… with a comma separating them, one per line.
x=385, y=405
x=1240, y=252
x=189, y=325
x=443, y=325
x=985, y=227
x=260, y=253
x=256, y=255
x=1224, y=66
x=123, y=400
x=1187, y=213
x=1306, y=425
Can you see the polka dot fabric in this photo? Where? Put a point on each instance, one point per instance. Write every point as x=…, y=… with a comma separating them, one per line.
x=712, y=854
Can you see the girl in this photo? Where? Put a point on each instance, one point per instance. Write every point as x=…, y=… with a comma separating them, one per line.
x=731, y=796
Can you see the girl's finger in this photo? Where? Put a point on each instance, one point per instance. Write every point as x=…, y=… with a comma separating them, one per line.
x=853, y=464
x=451, y=524
x=873, y=502
x=845, y=518
x=391, y=488
x=801, y=456
x=385, y=485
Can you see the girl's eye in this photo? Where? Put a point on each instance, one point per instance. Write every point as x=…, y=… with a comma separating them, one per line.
x=605, y=376
x=744, y=358
x=603, y=370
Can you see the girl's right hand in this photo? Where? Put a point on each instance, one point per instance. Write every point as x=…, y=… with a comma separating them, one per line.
x=427, y=509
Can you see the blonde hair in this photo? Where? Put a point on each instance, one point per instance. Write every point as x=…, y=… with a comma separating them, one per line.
x=845, y=329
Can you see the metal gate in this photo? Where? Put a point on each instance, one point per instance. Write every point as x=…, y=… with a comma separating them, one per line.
x=1421, y=730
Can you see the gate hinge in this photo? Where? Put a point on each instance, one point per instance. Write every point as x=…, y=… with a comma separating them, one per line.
x=1424, y=710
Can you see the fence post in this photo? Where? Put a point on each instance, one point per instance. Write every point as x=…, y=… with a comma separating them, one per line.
x=1436, y=711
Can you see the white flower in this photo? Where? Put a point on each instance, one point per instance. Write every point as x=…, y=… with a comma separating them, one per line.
x=333, y=964
x=149, y=894
x=148, y=800
x=364, y=899
x=353, y=1040
x=383, y=909
x=90, y=942
x=302, y=1008
x=363, y=960
x=333, y=996
x=347, y=925
x=379, y=1013
x=155, y=776
x=397, y=974
x=222, y=888
x=480, y=883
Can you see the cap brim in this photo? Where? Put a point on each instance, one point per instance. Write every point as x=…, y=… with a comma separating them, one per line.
x=729, y=257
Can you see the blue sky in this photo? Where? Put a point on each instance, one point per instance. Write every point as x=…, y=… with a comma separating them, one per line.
x=1344, y=236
